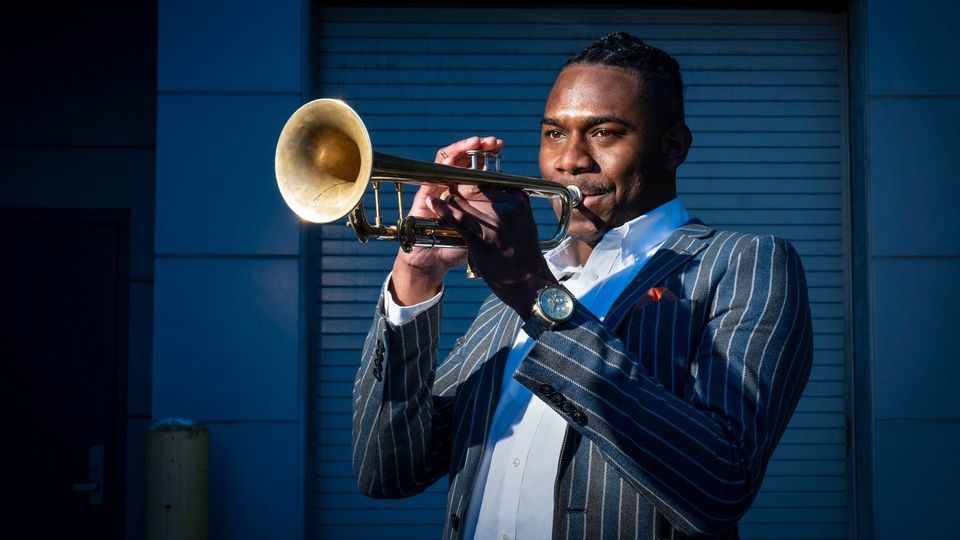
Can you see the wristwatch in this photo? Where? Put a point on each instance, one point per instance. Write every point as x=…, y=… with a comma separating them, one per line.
x=554, y=305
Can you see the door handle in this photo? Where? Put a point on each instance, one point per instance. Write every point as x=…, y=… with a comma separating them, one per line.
x=94, y=486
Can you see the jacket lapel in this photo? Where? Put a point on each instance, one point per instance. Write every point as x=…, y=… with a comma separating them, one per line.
x=677, y=249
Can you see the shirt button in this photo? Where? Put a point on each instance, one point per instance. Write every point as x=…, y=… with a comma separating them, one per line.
x=516, y=462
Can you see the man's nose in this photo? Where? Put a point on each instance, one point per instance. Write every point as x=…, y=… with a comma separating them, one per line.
x=575, y=157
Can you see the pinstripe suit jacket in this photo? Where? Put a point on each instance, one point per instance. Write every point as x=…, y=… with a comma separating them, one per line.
x=674, y=408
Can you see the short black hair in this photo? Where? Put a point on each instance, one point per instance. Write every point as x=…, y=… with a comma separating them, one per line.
x=659, y=73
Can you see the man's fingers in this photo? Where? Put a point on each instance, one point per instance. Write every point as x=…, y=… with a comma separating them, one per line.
x=443, y=211
x=464, y=210
x=459, y=214
x=489, y=144
x=456, y=153
x=450, y=155
x=466, y=191
x=431, y=190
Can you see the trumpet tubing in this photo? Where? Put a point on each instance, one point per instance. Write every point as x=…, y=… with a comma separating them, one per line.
x=325, y=163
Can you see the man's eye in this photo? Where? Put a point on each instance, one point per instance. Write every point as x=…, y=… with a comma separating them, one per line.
x=603, y=133
x=552, y=134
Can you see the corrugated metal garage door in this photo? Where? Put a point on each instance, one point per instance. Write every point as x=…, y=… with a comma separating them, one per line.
x=765, y=100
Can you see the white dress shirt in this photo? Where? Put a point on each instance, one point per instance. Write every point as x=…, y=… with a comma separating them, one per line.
x=513, y=494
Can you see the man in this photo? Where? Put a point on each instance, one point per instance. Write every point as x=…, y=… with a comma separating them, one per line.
x=634, y=382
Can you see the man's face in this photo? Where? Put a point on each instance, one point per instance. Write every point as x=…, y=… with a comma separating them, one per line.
x=599, y=135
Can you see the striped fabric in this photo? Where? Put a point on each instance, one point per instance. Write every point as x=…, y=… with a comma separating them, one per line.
x=674, y=408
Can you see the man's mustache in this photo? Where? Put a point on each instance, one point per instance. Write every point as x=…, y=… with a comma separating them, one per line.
x=588, y=186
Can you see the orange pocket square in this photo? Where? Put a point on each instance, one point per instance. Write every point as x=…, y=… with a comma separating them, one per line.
x=654, y=295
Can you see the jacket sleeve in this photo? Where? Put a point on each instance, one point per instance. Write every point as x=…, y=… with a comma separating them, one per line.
x=400, y=426
x=699, y=458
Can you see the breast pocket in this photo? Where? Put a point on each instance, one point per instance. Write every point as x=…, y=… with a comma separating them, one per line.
x=661, y=335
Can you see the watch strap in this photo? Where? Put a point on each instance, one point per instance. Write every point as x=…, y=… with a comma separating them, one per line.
x=534, y=327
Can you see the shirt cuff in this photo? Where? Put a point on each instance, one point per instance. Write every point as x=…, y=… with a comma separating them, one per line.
x=397, y=314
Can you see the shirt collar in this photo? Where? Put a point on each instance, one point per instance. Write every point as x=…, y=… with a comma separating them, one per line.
x=625, y=242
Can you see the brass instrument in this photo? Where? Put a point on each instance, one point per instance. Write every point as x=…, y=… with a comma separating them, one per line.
x=325, y=161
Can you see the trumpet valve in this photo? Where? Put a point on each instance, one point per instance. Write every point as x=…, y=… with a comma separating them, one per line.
x=474, y=158
x=491, y=160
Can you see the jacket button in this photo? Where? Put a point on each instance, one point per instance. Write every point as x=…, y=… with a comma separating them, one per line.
x=568, y=407
x=377, y=373
x=546, y=389
x=455, y=521
x=380, y=346
x=579, y=418
x=558, y=399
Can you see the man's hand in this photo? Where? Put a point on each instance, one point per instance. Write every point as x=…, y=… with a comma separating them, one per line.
x=418, y=275
x=502, y=238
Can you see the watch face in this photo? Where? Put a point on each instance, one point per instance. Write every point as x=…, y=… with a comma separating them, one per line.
x=556, y=303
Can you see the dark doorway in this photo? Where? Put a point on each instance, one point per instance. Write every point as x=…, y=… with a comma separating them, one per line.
x=63, y=351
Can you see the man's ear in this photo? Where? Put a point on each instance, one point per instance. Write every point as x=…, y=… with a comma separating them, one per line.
x=676, y=141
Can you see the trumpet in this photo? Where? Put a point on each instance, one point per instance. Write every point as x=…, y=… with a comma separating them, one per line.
x=325, y=163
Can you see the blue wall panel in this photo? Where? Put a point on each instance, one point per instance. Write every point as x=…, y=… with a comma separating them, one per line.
x=917, y=300
x=228, y=349
x=254, y=481
x=909, y=43
x=223, y=46
x=914, y=183
x=225, y=340
x=912, y=100
x=916, y=491
x=216, y=189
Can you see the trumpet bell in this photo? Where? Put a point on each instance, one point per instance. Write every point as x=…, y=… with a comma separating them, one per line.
x=324, y=160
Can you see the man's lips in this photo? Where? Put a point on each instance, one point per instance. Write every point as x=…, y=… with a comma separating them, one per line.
x=595, y=193
x=592, y=195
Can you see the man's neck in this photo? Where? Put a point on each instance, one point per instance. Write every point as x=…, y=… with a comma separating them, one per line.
x=583, y=251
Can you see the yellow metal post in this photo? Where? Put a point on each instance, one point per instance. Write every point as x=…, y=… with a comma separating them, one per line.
x=176, y=480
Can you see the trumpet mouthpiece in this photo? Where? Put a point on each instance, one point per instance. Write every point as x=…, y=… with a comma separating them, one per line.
x=575, y=196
